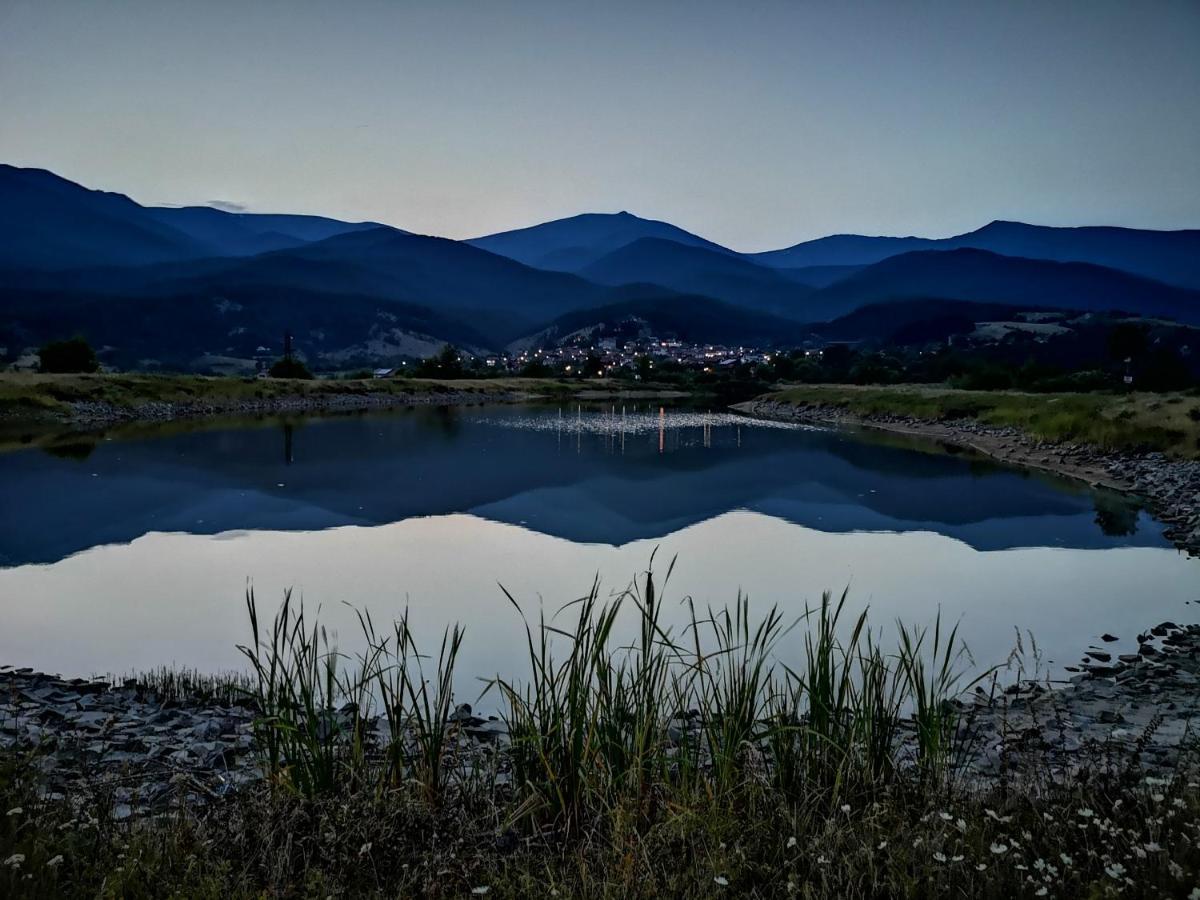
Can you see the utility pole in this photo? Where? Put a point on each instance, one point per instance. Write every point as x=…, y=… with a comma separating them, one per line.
x=287, y=346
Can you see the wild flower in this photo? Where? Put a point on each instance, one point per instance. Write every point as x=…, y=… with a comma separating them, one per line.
x=940, y=857
x=14, y=861
x=946, y=816
x=16, y=811
x=882, y=845
x=1086, y=813
x=54, y=862
x=999, y=849
x=481, y=890
x=1115, y=870
x=721, y=881
x=791, y=842
x=993, y=815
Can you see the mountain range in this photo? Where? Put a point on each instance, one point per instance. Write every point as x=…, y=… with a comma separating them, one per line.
x=180, y=287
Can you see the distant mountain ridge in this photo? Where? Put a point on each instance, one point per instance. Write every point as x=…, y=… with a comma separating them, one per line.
x=1169, y=256
x=987, y=277
x=570, y=245
x=177, y=284
x=48, y=222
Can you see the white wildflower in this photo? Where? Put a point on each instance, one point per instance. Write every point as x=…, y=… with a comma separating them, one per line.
x=721, y=880
x=992, y=814
x=1115, y=870
x=1157, y=798
x=481, y=890
x=999, y=849
x=845, y=807
x=15, y=860
x=940, y=857
x=981, y=867
x=1042, y=891
x=791, y=842
x=1086, y=813
x=946, y=816
x=16, y=811
x=883, y=845
x=54, y=862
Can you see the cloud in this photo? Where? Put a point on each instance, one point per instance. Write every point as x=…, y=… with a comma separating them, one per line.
x=227, y=206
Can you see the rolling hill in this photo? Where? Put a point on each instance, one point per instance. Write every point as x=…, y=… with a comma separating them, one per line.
x=569, y=245
x=982, y=276
x=48, y=222
x=688, y=318
x=697, y=270
x=1169, y=256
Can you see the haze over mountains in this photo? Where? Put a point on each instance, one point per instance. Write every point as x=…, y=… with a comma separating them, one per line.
x=177, y=287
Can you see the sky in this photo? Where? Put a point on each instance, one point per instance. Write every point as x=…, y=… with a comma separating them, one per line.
x=755, y=124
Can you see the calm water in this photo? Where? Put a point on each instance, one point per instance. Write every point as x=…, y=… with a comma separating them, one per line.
x=124, y=552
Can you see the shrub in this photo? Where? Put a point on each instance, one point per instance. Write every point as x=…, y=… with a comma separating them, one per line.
x=72, y=355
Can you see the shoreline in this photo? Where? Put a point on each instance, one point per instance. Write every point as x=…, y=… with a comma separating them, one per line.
x=96, y=402
x=1169, y=487
x=153, y=746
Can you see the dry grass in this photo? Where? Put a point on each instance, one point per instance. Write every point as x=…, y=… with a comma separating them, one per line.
x=30, y=393
x=1132, y=421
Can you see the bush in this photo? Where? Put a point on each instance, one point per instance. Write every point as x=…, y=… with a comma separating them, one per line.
x=289, y=367
x=73, y=355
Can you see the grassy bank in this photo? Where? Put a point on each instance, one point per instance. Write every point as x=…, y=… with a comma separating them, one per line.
x=33, y=395
x=1168, y=422
x=677, y=764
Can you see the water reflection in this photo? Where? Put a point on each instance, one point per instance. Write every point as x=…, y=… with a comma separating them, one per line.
x=611, y=475
x=133, y=549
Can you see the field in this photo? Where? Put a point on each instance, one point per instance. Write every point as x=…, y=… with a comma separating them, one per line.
x=1168, y=422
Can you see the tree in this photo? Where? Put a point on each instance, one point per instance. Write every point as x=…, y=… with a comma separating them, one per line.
x=73, y=355
x=445, y=364
x=535, y=368
x=289, y=367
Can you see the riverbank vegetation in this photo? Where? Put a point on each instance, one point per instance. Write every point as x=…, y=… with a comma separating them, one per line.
x=1168, y=422
x=27, y=395
x=630, y=760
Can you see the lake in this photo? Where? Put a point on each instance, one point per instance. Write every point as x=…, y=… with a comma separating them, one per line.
x=134, y=549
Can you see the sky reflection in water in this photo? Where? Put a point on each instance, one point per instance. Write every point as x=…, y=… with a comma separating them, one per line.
x=128, y=553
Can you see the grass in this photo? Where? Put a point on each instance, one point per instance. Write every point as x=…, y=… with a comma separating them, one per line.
x=1169, y=423
x=24, y=395
x=674, y=764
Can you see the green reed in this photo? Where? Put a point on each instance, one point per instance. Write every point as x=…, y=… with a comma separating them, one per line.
x=602, y=726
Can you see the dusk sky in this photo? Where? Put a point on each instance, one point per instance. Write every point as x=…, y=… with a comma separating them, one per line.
x=754, y=124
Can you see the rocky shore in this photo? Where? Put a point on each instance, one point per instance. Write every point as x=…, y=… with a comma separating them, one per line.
x=1169, y=487
x=148, y=752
